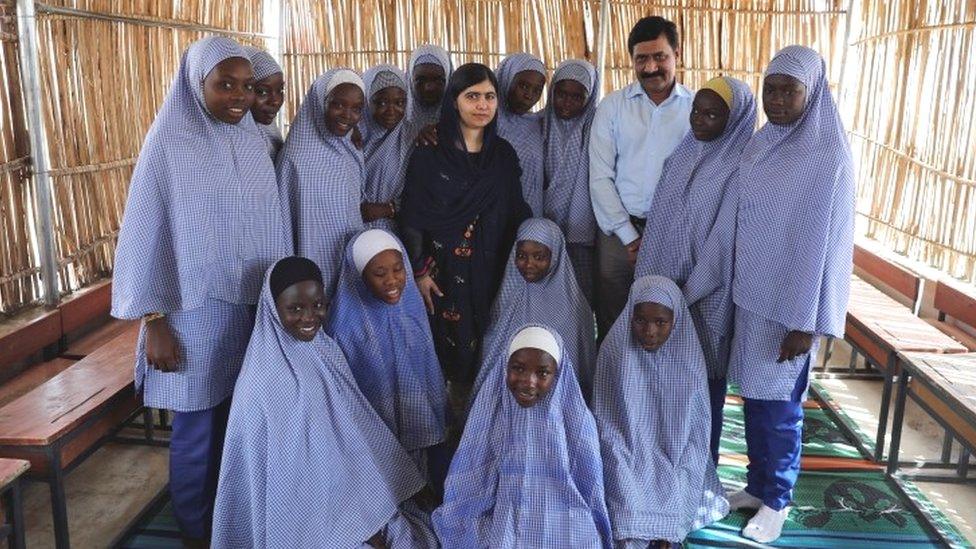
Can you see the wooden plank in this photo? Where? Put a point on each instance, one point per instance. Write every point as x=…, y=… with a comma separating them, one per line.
x=893, y=324
x=90, y=342
x=85, y=306
x=11, y=469
x=68, y=399
x=28, y=333
x=31, y=378
x=119, y=409
x=947, y=384
x=895, y=276
x=956, y=303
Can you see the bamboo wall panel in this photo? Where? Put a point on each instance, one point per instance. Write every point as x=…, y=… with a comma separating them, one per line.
x=734, y=38
x=19, y=274
x=103, y=81
x=336, y=33
x=913, y=129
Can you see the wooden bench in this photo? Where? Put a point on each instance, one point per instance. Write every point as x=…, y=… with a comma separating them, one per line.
x=945, y=387
x=27, y=334
x=59, y=423
x=10, y=473
x=955, y=306
x=878, y=327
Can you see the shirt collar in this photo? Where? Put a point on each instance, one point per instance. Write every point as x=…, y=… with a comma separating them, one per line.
x=636, y=90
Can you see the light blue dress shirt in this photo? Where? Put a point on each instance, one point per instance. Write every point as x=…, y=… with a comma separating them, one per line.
x=630, y=139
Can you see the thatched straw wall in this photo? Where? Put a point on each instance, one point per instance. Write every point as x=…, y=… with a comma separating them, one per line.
x=19, y=275
x=913, y=131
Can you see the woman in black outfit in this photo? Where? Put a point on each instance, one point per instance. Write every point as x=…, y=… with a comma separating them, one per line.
x=461, y=207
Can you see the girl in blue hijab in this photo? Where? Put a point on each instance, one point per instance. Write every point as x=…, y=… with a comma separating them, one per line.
x=528, y=472
x=694, y=182
x=378, y=320
x=202, y=222
x=307, y=462
x=651, y=404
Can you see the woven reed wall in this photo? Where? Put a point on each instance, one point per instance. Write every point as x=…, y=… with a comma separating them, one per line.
x=19, y=275
x=913, y=128
x=734, y=38
x=321, y=34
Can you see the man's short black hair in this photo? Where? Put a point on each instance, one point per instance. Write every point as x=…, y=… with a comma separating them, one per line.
x=649, y=28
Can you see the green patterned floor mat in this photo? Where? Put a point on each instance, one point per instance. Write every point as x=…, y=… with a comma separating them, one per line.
x=835, y=509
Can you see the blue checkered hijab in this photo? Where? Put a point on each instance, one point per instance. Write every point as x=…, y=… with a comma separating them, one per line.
x=203, y=218
x=418, y=116
x=653, y=416
x=526, y=477
x=385, y=150
x=265, y=66
x=322, y=175
x=523, y=131
x=391, y=353
x=567, y=158
x=556, y=300
x=307, y=462
x=795, y=223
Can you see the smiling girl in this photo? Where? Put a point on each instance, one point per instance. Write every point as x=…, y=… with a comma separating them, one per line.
x=322, y=173
x=202, y=222
x=378, y=320
x=269, y=96
x=528, y=472
x=307, y=462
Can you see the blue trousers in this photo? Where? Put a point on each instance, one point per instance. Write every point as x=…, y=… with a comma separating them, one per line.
x=774, y=437
x=195, y=449
x=717, y=389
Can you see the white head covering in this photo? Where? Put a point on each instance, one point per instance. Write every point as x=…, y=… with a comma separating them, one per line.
x=369, y=244
x=535, y=337
x=344, y=76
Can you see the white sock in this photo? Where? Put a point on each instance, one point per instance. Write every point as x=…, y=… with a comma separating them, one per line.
x=743, y=500
x=767, y=525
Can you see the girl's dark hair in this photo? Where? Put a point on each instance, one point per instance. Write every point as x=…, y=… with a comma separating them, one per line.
x=649, y=28
x=468, y=75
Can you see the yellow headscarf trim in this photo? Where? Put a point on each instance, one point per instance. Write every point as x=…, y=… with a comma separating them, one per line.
x=720, y=86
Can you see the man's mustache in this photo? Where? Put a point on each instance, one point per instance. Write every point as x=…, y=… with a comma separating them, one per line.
x=644, y=75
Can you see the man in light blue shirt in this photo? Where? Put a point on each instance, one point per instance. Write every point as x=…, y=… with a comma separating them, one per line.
x=634, y=130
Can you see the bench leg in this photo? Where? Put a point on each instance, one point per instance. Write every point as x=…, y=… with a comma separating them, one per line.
x=897, y=423
x=148, y=425
x=59, y=505
x=885, y=404
x=852, y=366
x=947, y=447
x=963, y=468
x=163, y=417
x=15, y=516
x=827, y=352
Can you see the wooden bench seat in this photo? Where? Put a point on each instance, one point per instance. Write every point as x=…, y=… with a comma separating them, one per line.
x=33, y=377
x=958, y=305
x=10, y=472
x=27, y=334
x=944, y=385
x=84, y=345
x=60, y=422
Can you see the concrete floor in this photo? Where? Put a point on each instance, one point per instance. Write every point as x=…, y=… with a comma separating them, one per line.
x=107, y=491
